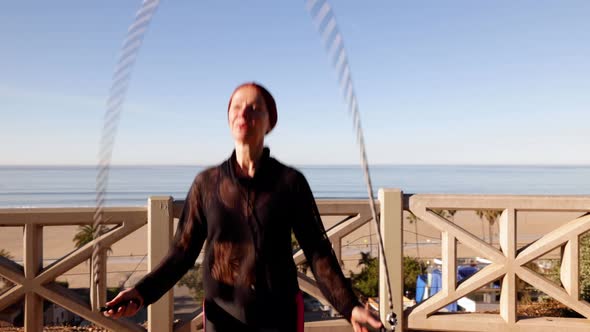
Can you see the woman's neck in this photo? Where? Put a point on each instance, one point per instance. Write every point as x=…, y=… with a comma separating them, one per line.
x=248, y=158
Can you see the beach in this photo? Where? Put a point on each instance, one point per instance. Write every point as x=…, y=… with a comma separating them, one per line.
x=127, y=260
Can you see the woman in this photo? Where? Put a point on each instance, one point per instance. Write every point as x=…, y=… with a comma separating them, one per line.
x=246, y=209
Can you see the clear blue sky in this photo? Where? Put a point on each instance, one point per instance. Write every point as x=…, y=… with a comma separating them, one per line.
x=451, y=82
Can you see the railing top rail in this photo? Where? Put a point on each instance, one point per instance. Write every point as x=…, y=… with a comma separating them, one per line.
x=327, y=206
x=343, y=201
x=499, y=196
x=501, y=202
x=51, y=210
x=83, y=215
x=68, y=216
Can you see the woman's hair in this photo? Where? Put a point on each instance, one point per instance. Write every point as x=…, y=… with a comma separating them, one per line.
x=269, y=101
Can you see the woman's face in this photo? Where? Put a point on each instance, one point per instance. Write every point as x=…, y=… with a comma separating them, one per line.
x=248, y=116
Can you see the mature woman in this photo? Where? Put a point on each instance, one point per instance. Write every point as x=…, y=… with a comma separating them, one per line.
x=246, y=208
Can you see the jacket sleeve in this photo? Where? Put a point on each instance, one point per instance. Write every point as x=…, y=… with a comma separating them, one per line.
x=312, y=238
x=184, y=250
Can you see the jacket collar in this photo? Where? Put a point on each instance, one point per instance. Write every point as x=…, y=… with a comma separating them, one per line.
x=231, y=165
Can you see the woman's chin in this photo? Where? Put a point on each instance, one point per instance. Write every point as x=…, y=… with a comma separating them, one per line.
x=247, y=139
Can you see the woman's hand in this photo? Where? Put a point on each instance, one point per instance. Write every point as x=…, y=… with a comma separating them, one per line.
x=126, y=303
x=362, y=317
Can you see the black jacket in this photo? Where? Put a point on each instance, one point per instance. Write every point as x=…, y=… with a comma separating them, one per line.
x=248, y=267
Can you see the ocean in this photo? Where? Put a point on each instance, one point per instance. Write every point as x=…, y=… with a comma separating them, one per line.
x=74, y=186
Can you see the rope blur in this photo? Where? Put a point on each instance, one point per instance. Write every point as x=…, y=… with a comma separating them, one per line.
x=325, y=21
x=114, y=107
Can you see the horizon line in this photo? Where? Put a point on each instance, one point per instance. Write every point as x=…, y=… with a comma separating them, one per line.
x=306, y=164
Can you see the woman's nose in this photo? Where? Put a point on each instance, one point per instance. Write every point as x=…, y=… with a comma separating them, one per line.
x=246, y=110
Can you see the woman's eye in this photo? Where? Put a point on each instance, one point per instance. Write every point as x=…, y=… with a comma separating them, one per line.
x=257, y=108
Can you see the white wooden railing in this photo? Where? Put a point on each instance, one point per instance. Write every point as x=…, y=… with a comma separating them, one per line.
x=508, y=263
x=35, y=283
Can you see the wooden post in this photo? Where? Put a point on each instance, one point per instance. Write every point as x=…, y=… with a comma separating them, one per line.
x=160, y=222
x=337, y=246
x=449, y=260
x=391, y=203
x=508, y=244
x=570, y=270
x=33, y=263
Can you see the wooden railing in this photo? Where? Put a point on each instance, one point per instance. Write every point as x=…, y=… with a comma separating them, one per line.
x=35, y=282
x=507, y=263
x=352, y=214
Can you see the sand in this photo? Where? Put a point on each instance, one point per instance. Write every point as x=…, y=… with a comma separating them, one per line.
x=127, y=261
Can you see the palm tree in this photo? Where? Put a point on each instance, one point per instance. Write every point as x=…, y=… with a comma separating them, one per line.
x=491, y=216
x=441, y=212
x=452, y=214
x=447, y=214
x=365, y=259
x=6, y=254
x=366, y=281
x=86, y=235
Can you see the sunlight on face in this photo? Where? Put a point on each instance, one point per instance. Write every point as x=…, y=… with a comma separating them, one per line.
x=248, y=116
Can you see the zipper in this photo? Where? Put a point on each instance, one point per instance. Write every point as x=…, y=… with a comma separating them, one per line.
x=254, y=227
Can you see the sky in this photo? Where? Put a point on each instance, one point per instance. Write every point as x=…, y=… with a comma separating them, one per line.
x=438, y=82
